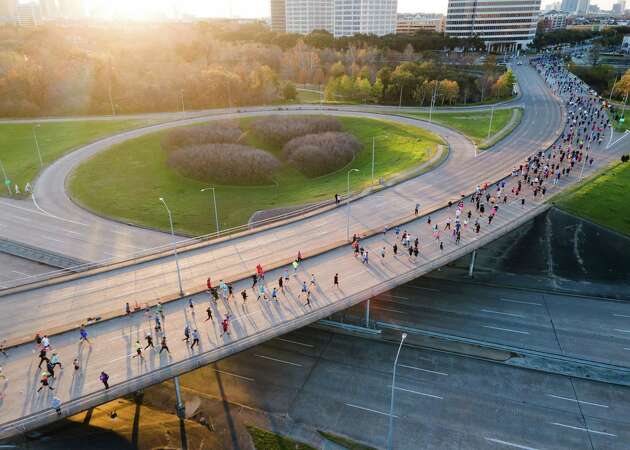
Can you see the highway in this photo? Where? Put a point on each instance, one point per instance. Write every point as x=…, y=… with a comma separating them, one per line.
x=57, y=224
x=588, y=328
x=106, y=293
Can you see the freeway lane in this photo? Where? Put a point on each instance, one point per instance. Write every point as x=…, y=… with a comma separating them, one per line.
x=93, y=238
x=587, y=328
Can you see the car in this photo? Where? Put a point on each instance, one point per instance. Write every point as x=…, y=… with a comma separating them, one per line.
x=520, y=63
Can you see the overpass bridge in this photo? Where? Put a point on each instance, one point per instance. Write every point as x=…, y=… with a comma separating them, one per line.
x=59, y=306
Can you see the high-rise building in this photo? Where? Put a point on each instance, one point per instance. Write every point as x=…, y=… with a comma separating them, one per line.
x=503, y=25
x=619, y=8
x=28, y=15
x=339, y=17
x=8, y=10
x=582, y=7
x=278, y=16
x=569, y=6
x=412, y=23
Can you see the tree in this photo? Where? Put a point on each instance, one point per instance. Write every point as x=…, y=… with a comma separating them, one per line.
x=449, y=90
x=289, y=92
x=362, y=88
x=505, y=84
x=377, y=90
x=337, y=69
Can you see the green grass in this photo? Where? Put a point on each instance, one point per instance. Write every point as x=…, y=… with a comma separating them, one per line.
x=344, y=442
x=126, y=181
x=19, y=154
x=603, y=200
x=472, y=124
x=308, y=97
x=266, y=440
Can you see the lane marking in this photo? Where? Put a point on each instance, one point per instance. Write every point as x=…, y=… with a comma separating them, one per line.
x=416, y=392
x=234, y=375
x=506, y=329
x=583, y=429
x=576, y=401
x=622, y=331
x=510, y=444
x=422, y=287
x=385, y=296
x=509, y=300
x=295, y=342
x=423, y=370
x=371, y=410
x=21, y=273
x=622, y=315
x=278, y=360
x=388, y=309
x=53, y=239
x=491, y=311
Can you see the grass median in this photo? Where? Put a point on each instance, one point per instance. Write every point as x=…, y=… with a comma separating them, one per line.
x=18, y=152
x=603, y=200
x=126, y=181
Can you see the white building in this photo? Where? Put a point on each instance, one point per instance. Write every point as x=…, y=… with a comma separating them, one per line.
x=339, y=17
x=28, y=15
x=554, y=20
x=504, y=25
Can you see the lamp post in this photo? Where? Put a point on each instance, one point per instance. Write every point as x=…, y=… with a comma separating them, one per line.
x=7, y=182
x=373, y=154
x=490, y=124
x=391, y=404
x=348, y=204
x=214, y=199
x=181, y=93
x=170, y=220
x=39, y=153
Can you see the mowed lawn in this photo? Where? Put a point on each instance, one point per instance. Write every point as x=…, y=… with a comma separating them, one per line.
x=604, y=200
x=18, y=152
x=472, y=124
x=126, y=181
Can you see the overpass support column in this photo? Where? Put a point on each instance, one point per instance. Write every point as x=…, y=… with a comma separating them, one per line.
x=367, y=313
x=472, y=263
x=181, y=410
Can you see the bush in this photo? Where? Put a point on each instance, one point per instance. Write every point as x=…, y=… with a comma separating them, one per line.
x=225, y=163
x=319, y=154
x=280, y=130
x=223, y=132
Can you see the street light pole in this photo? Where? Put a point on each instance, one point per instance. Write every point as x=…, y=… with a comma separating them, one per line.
x=181, y=92
x=348, y=204
x=170, y=220
x=613, y=89
x=391, y=403
x=7, y=183
x=216, y=214
x=373, y=147
x=490, y=124
x=39, y=153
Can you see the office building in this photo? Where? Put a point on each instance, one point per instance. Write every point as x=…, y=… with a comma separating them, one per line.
x=8, y=11
x=28, y=15
x=569, y=6
x=339, y=17
x=412, y=23
x=278, y=16
x=619, y=8
x=582, y=7
x=554, y=20
x=503, y=25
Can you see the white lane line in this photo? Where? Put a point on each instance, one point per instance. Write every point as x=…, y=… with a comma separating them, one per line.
x=576, y=401
x=506, y=329
x=622, y=331
x=21, y=273
x=417, y=393
x=509, y=300
x=371, y=410
x=622, y=315
x=278, y=360
x=295, y=342
x=422, y=287
x=53, y=239
x=422, y=370
x=393, y=296
x=491, y=311
x=388, y=309
x=510, y=444
x=583, y=429
x=234, y=375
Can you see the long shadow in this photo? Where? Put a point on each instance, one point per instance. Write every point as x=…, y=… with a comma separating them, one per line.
x=228, y=412
x=135, y=430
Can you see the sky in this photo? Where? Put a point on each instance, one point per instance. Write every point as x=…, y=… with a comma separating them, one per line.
x=138, y=9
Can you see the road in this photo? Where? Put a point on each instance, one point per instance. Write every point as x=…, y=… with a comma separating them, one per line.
x=59, y=225
x=583, y=327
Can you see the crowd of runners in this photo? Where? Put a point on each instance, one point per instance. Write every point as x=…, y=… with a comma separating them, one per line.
x=586, y=123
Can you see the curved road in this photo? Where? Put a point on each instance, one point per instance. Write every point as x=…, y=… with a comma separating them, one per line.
x=55, y=223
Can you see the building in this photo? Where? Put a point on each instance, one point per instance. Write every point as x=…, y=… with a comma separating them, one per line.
x=582, y=7
x=339, y=17
x=8, y=11
x=619, y=8
x=28, y=15
x=503, y=25
x=569, y=6
x=278, y=16
x=554, y=20
x=412, y=23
